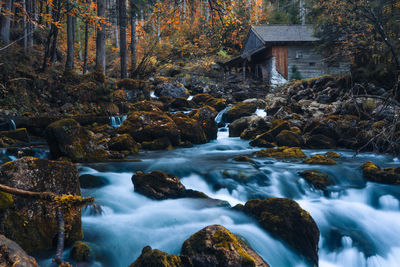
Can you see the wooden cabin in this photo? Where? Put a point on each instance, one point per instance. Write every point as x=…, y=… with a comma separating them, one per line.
x=271, y=53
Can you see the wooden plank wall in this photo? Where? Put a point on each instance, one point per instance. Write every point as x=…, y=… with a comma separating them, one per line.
x=253, y=42
x=280, y=53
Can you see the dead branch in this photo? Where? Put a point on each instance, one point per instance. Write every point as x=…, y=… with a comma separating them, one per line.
x=61, y=237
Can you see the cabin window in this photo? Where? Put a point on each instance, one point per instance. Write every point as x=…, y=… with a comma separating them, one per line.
x=312, y=64
x=299, y=54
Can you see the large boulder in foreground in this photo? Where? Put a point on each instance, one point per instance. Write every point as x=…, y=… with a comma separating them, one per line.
x=11, y=254
x=285, y=219
x=159, y=185
x=31, y=223
x=216, y=246
x=149, y=126
x=374, y=173
x=157, y=258
x=68, y=138
x=239, y=110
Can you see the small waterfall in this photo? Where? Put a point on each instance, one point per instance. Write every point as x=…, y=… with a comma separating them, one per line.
x=116, y=121
x=261, y=112
x=219, y=118
x=190, y=98
x=153, y=95
x=12, y=125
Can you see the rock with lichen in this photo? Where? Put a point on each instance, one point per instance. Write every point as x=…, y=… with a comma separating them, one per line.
x=317, y=178
x=285, y=219
x=374, y=173
x=319, y=159
x=283, y=152
x=11, y=254
x=32, y=223
x=215, y=245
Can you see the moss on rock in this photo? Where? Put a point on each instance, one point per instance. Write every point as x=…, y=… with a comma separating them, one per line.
x=239, y=110
x=374, y=173
x=189, y=128
x=6, y=201
x=289, y=138
x=332, y=155
x=123, y=142
x=157, y=258
x=317, y=178
x=281, y=153
x=319, y=159
x=80, y=252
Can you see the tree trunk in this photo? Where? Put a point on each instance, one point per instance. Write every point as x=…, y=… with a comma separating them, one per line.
x=133, y=38
x=30, y=16
x=101, y=38
x=69, y=65
x=5, y=21
x=57, y=14
x=122, y=36
x=85, y=54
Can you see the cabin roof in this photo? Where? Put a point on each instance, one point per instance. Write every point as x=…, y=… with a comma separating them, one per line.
x=285, y=33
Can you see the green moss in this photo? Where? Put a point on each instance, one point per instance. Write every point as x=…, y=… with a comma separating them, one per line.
x=332, y=155
x=374, y=173
x=244, y=159
x=281, y=153
x=318, y=179
x=80, y=252
x=320, y=160
x=6, y=201
x=157, y=258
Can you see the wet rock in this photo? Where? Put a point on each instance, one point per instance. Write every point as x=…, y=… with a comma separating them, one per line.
x=289, y=138
x=156, y=258
x=244, y=159
x=171, y=89
x=80, y=252
x=319, y=160
x=92, y=181
x=159, y=185
x=146, y=105
x=268, y=137
x=67, y=138
x=319, y=141
x=161, y=143
x=216, y=246
x=332, y=155
x=206, y=99
x=206, y=116
x=281, y=153
x=189, y=129
x=11, y=254
x=31, y=223
x=317, y=178
x=374, y=173
x=239, y=110
x=253, y=124
x=20, y=135
x=148, y=126
x=181, y=103
x=285, y=219
x=123, y=142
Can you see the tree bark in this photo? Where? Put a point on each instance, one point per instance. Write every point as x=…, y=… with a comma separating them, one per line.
x=85, y=54
x=69, y=65
x=133, y=38
x=101, y=38
x=6, y=21
x=122, y=37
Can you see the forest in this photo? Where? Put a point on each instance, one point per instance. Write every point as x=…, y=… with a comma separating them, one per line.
x=199, y=133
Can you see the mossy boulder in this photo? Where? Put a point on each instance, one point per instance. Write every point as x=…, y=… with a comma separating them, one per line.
x=31, y=223
x=137, y=90
x=162, y=143
x=289, y=138
x=270, y=135
x=123, y=142
x=206, y=99
x=148, y=126
x=253, y=125
x=239, y=110
x=374, y=173
x=159, y=185
x=171, y=89
x=146, y=105
x=80, y=252
x=156, y=258
x=283, y=152
x=244, y=159
x=206, y=116
x=317, y=178
x=285, y=219
x=215, y=245
x=6, y=201
x=11, y=254
x=67, y=138
x=181, y=103
x=189, y=129
x=319, y=141
x=332, y=155
x=20, y=135
x=319, y=159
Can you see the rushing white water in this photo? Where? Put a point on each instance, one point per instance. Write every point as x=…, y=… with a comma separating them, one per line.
x=13, y=126
x=190, y=97
x=116, y=121
x=358, y=220
x=261, y=113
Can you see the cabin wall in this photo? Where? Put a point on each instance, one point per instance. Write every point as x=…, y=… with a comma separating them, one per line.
x=311, y=64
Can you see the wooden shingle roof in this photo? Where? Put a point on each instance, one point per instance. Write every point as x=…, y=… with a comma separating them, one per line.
x=285, y=33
